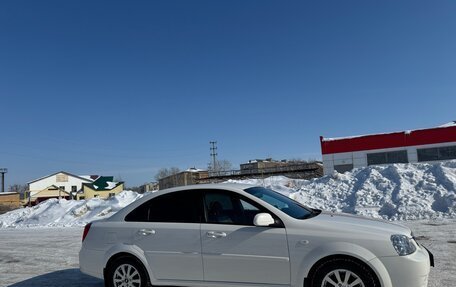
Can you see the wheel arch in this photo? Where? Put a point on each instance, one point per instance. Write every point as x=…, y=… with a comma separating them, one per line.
x=339, y=256
x=129, y=251
x=342, y=250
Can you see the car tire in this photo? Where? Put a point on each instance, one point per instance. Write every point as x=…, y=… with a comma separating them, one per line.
x=334, y=272
x=126, y=272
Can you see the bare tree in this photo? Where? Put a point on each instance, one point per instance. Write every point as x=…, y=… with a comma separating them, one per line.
x=165, y=172
x=300, y=160
x=220, y=165
x=20, y=188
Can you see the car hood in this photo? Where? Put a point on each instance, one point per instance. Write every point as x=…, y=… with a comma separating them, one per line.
x=359, y=224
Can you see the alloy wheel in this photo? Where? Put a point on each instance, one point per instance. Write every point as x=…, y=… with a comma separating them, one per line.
x=126, y=275
x=342, y=278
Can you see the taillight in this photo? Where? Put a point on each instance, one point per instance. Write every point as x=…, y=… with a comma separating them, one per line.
x=86, y=231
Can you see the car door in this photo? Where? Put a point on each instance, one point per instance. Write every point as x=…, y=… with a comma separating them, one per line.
x=234, y=250
x=170, y=235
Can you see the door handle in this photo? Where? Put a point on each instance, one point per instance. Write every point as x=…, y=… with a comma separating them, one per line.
x=146, y=232
x=215, y=234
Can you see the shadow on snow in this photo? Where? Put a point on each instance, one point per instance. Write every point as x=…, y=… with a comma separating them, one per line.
x=62, y=278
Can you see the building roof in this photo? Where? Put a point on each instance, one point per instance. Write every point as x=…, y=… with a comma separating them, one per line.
x=103, y=183
x=90, y=177
x=51, y=187
x=8, y=193
x=194, y=169
x=440, y=134
x=64, y=172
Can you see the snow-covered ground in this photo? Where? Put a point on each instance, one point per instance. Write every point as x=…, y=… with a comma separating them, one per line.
x=48, y=257
x=42, y=257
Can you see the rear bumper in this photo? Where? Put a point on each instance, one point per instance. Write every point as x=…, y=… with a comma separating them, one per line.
x=91, y=262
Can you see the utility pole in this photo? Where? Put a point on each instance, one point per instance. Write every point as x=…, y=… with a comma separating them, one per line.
x=3, y=171
x=213, y=154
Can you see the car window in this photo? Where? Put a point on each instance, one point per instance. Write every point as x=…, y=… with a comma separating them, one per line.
x=229, y=208
x=247, y=206
x=282, y=203
x=181, y=206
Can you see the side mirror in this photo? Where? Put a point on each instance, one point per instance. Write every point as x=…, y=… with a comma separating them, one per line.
x=263, y=219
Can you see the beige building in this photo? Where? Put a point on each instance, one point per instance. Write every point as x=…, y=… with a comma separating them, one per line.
x=47, y=193
x=151, y=186
x=259, y=165
x=188, y=177
x=103, y=187
x=11, y=199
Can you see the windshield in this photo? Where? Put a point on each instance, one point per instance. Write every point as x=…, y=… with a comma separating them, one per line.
x=283, y=203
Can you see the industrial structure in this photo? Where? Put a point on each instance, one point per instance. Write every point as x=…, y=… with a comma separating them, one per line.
x=253, y=169
x=423, y=145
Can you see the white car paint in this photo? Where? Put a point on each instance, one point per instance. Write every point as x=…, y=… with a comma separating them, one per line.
x=208, y=254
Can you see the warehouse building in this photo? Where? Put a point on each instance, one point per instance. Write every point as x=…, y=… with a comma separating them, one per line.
x=424, y=145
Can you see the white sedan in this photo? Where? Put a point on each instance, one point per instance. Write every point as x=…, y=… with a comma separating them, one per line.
x=240, y=235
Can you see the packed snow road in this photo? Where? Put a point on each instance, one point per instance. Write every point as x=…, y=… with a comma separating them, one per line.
x=48, y=257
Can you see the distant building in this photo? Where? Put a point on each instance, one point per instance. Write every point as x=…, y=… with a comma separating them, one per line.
x=260, y=168
x=49, y=192
x=102, y=187
x=424, y=145
x=63, y=184
x=60, y=184
x=151, y=186
x=258, y=165
x=187, y=177
x=9, y=201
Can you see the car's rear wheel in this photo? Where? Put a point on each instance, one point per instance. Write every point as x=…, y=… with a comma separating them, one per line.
x=126, y=272
x=342, y=272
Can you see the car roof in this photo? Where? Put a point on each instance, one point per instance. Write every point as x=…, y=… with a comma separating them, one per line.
x=229, y=185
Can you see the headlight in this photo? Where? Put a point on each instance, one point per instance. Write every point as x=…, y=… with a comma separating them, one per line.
x=402, y=244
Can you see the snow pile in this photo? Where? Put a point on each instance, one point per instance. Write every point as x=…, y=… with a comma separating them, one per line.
x=61, y=213
x=394, y=192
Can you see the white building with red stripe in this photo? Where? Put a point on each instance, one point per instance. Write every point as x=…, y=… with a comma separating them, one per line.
x=424, y=145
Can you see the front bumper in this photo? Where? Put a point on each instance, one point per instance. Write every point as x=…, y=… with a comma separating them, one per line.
x=408, y=271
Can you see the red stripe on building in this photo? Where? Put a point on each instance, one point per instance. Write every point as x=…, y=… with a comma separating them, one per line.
x=392, y=140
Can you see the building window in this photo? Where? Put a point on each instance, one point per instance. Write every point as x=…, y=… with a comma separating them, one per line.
x=74, y=188
x=62, y=187
x=387, y=157
x=61, y=177
x=82, y=197
x=112, y=194
x=437, y=153
x=341, y=168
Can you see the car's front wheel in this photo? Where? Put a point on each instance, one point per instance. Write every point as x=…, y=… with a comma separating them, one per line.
x=126, y=272
x=343, y=273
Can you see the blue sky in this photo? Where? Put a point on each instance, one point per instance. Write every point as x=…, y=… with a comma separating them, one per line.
x=125, y=87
